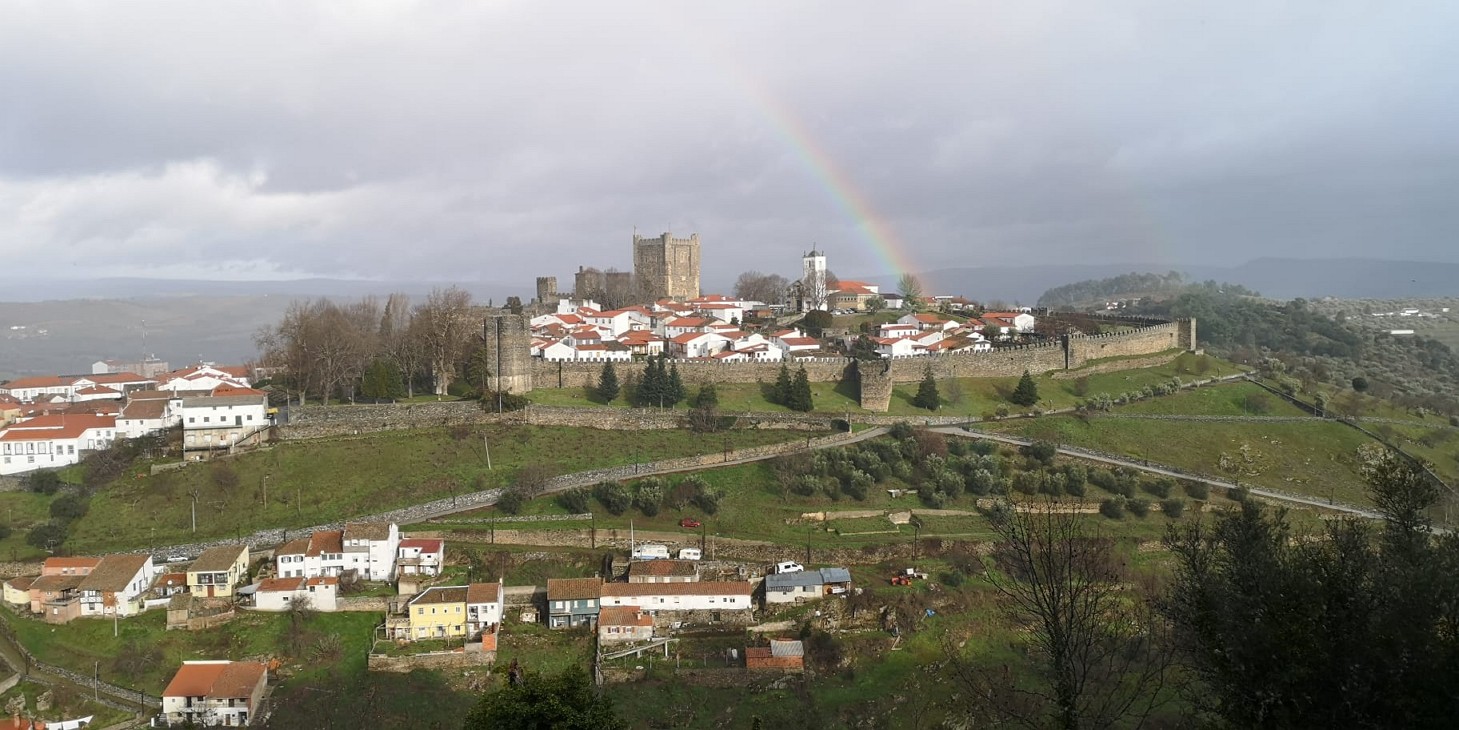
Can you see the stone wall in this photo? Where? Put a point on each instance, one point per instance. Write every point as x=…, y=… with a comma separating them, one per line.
x=549, y=374
x=441, y=660
x=1149, y=361
x=378, y=604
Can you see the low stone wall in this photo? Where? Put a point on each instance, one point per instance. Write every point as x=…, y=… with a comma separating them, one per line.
x=441, y=660
x=377, y=604
x=727, y=617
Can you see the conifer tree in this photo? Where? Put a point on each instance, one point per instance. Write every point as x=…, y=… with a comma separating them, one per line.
x=800, y=392
x=780, y=394
x=1027, y=392
x=708, y=396
x=674, y=387
x=927, y=396
x=608, y=386
x=652, y=389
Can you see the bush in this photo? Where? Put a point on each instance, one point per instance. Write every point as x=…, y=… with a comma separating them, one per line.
x=511, y=500
x=1160, y=487
x=648, y=494
x=1173, y=508
x=45, y=481
x=1102, y=478
x=1074, y=489
x=46, y=535
x=613, y=496
x=576, y=500
x=1454, y=421
x=900, y=430
x=1138, y=507
x=68, y=508
x=1197, y=490
x=952, y=578
x=1113, y=508
x=1041, y=451
x=224, y=476
x=805, y=485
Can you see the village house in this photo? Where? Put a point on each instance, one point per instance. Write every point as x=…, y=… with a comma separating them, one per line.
x=215, y=693
x=624, y=624
x=56, y=598
x=117, y=586
x=140, y=417
x=322, y=553
x=1010, y=322
x=420, y=556
x=65, y=387
x=720, y=597
x=204, y=378
x=806, y=584
x=485, y=604
x=573, y=602
x=282, y=594
x=927, y=321
x=230, y=417
x=216, y=572
x=851, y=295
x=691, y=345
x=17, y=591
x=48, y=442
x=663, y=571
x=147, y=367
x=370, y=549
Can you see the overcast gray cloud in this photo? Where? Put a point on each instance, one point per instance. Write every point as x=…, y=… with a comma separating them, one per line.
x=499, y=141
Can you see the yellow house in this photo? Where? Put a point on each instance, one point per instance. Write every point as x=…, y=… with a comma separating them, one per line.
x=438, y=613
x=217, y=571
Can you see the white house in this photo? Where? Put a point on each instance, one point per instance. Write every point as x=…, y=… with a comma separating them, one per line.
x=47, y=442
x=806, y=584
x=116, y=585
x=1019, y=321
x=668, y=597
x=204, y=377
x=229, y=417
x=67, y=386
x=484, y=605
x=370, y=548
x=890, y=347
x=682, y=325
x=925, y=321
x=140, y=417
x=281, y=594
x=420, y=556
x=215, y=693
x=698, y=344
x=322, y=553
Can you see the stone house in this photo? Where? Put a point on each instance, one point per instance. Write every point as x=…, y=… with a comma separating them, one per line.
x=623, y=624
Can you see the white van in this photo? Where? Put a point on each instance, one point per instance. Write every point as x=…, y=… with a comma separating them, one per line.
x=788, y=567
x=651, y=552
x=690, y=554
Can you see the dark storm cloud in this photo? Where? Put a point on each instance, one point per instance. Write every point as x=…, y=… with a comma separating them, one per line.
x=506, y=140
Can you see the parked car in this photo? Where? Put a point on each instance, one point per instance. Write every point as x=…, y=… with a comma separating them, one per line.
x=690, y=522
x=788, y=567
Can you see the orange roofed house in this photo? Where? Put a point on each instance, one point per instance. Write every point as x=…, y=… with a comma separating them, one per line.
x=50, y=441
x=215, y=693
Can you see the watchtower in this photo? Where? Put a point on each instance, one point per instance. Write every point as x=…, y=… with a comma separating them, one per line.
x=508, y=353
x=666, y=267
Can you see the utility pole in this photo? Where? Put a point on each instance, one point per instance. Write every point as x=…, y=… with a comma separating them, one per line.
x=195, y=510
x=487, y=447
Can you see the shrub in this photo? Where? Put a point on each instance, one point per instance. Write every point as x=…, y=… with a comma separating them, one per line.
x=805, y=485
x=900, y=430
x=981, y=481
x=1113, y=508
x=1160, y=487
x=575, y=500
x=1173, y=508
x=1027, y=482
x=46, y=535
x=68, y=508
x=511, y=500
x=45, y=481
x=983, y=448
x=648, y=494
x=952, y=578
x=1102, y=478
x=1041, y=451
x=1138, y=507
x=613, y=496
x=1197, y=490
x=224, y=476
x=1454, y=421
x=1075, y=489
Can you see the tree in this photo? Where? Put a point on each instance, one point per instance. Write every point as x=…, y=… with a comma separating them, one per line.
x=674, y=391
x=800, y=392
x=1352, y=630
x=927, y=396
x=654, y=387
x=910, y=287
x=564, y=701
x=1102, y=654
x=613, y=496
x=1360, y=384
x=382, y=380
x=68, y=508
x=445, y=329
x=780, y=392
x=707, y=396
x=44, y=481
x=1026, y=393
x=816, y=321
x=875, y=304
x=757, y=287
x=862, y=348
x=46, y=536
x=608, y=383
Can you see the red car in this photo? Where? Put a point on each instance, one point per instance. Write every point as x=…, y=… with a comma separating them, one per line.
x=689, y=522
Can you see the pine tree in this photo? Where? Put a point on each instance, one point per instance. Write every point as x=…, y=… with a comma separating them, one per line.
x=608, y=383
x=1027, y=392
x=651, y=388
x=674, y=388
x=780, y=394
x=708, y=396
x=800, y=392
x=927, y=396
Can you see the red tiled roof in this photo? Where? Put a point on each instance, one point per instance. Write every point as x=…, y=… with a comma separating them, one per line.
x=326, y=541
x=699, y=588
x=221, y=680
x=793, y=341
x=37, y=381
x=568, y=589
x=483, y=592
x=624, y=616
x=57, y=426
x=281, y=585
x=117, y=378
x=425, y=544
x=75, y=562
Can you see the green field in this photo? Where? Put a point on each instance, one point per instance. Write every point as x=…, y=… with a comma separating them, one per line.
x=318, y=481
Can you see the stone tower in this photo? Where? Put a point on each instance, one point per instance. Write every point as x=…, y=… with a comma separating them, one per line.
x=547, y=289
x=813, y=282
x=508, y=353
x=666, y=267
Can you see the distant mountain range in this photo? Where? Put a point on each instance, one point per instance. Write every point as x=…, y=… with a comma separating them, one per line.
x=1273, y=277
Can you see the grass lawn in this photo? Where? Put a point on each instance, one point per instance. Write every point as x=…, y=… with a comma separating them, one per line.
x=255, y=636
x=311, y=482
x=1316, y=458
x=66, y=704
x=1236, y=398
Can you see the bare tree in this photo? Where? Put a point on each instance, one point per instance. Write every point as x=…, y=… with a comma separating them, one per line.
x=1104, y=651
x=399, y=339
x=758, y=287
x=444, y=323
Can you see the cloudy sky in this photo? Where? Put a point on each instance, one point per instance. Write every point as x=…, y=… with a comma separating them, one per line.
x=497, y=141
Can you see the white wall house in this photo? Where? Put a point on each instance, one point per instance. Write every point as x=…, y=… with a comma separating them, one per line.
x=696, y=596
x=698, y=344
x=420, y=556
x=281, y=594
x=484, y=604
x=228, y=418
x=116, y=586
x=142, y=417
x=370, y=548
x=48, y=442
x=215, y=693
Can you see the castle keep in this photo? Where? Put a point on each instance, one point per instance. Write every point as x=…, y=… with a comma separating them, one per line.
x=666, y=267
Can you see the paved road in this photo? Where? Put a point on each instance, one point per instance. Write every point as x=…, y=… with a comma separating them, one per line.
x=1151, y=469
